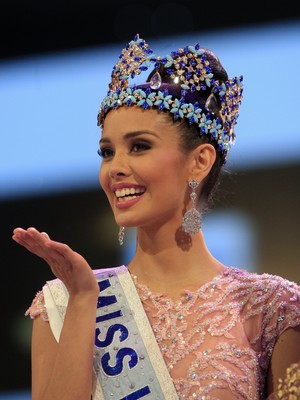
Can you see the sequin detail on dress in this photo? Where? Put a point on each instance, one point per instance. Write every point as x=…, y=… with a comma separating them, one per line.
x=217, y=341
x=38, y=307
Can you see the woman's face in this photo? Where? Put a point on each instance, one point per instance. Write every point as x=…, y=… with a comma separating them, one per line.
x=144, y=173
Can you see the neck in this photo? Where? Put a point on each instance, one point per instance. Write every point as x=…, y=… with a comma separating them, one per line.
x=167, y=264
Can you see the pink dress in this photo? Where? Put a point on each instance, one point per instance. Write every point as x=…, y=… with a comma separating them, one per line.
x=217, y=341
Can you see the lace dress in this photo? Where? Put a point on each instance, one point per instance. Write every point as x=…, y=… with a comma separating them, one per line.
x=217, y=341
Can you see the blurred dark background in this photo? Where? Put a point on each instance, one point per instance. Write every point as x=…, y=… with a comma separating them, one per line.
x=30, y=27
x=82, y=218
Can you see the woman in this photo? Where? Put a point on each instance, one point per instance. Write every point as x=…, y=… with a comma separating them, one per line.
x=175, y=322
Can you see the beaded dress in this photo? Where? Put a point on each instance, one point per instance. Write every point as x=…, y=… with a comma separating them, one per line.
x=217, y=341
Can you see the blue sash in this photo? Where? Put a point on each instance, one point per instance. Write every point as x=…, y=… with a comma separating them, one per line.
x=128, y=364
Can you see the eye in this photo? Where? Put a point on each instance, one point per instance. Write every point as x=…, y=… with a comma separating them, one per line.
x=138, y=147
x=105, y=152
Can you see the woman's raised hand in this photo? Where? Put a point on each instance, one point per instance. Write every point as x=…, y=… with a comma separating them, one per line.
x=67, y=265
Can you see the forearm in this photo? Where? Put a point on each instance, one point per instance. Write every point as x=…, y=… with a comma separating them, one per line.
x=71, y=375
x=63, y=371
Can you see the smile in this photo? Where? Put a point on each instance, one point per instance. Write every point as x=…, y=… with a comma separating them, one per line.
x=127, y=194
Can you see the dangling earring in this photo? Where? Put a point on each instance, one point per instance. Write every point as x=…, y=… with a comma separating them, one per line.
x=121, y=235
x=192, y=220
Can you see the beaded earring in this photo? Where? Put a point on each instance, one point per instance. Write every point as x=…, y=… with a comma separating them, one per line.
x=121, y=235
x=192, y=220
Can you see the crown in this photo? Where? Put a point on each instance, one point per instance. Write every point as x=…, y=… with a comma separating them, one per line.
x=178, y=84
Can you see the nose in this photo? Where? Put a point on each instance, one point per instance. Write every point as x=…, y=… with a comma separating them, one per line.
x=119, y=165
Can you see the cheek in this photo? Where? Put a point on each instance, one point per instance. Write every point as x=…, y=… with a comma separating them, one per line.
x=103, y=179
x=169, y=170
x=104, y=183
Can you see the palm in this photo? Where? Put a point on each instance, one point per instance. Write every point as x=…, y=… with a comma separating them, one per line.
x=67, y=265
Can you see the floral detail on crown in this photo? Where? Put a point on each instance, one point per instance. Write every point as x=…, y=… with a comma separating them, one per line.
x=134, y=59
x=189, y=69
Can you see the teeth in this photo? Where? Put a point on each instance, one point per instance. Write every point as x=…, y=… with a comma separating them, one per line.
x=123, y=199
x=129, y=192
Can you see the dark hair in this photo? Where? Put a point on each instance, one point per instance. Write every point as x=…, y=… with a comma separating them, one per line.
x=190, y=134
x=189, y=140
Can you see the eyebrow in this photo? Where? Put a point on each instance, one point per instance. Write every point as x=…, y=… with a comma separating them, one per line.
x=130, y=135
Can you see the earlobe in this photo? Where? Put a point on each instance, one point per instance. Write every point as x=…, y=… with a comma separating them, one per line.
x=203, y=159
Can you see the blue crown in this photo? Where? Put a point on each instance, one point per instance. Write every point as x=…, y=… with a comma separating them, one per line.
x=189, y=76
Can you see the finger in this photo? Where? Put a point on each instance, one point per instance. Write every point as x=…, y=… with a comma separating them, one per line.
x=21, y=236
x=33, y=240
x=20, y=233
x=17, y=232
x=45, y=234
x=39, y=237
x=56, y=252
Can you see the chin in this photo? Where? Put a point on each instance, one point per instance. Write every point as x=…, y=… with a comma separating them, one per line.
x=126, y=222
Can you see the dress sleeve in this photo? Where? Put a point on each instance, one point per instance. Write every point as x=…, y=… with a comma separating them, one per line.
x=38, y=307
x=282, y=311
x=286, y=304
x=272, y=306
